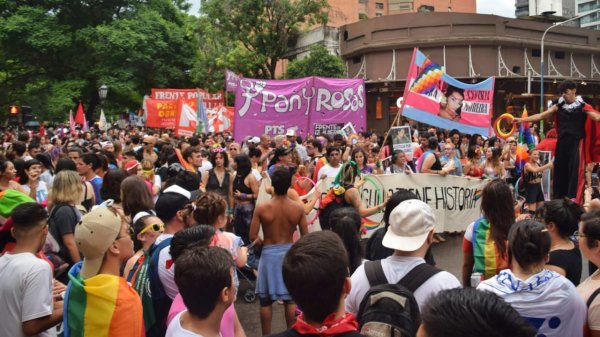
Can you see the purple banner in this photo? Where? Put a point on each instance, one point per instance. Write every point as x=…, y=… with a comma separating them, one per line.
x=232, y=81
x=274, y=106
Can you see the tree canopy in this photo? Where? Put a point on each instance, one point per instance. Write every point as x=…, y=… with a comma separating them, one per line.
x=54, y=53
x=258, y=33
x=319, y=63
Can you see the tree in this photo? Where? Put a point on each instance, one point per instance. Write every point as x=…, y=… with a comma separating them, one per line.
x=319, y=63
x=55, y=53
x=261, y=32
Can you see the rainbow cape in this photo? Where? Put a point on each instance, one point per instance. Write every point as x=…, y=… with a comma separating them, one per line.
x=101, y=306
x=484, y=250
x=320, y=162
x=525, y=143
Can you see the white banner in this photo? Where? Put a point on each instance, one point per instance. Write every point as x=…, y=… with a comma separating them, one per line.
x=456, y=201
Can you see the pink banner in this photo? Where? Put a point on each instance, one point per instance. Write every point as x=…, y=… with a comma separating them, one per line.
x=305, y=105
x=232, y=81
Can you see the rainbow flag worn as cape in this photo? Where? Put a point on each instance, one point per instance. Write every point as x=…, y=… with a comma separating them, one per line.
x=525, y=143
x=101, y=306
x=320, y=162
x=485, y=254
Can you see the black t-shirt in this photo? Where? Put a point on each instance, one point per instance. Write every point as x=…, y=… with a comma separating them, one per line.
x=294, y=333
x=570, y=261
x=571, y=119
x=62, y=221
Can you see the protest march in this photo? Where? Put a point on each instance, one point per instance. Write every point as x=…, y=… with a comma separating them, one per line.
x=278, y=193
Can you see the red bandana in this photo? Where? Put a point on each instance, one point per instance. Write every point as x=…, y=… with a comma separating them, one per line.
x=329, y=327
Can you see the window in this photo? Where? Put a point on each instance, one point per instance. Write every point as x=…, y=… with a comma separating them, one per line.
x=356, y=59
x=559, y=55
x=378, y=14
x=536, y=52
x=379, y=5
x=588, y=6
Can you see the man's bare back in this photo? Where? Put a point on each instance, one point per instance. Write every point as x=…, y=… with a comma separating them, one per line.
x=279, y=218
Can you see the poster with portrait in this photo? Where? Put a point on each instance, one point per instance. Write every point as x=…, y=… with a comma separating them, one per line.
x=401, y=139
x=436, y=98
x=347, y=130
x=545, y=158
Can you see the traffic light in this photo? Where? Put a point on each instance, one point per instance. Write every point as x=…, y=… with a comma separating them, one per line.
x=14, y=110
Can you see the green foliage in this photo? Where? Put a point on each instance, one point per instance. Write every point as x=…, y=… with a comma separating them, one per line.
x=253, y=34
x=319, y=63
x=54, y=53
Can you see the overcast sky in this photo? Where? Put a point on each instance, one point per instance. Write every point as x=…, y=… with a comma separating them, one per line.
x=497, y=7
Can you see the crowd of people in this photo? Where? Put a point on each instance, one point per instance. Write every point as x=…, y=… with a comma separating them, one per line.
x=140, y=233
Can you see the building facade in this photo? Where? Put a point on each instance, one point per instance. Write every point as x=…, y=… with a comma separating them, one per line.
x=591, y=21
x=471, y=47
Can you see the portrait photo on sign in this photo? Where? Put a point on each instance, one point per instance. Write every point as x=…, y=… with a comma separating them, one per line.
x=401, y=138
x=347, y=130
x=451, y=103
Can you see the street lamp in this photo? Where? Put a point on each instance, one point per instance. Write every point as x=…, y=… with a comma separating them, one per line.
x=555, y=24
x=102, y=91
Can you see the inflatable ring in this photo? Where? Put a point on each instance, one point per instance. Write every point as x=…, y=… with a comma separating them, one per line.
x=505, y=117
x=304, y=197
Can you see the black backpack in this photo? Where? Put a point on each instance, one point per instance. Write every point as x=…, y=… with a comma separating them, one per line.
x=391, y=310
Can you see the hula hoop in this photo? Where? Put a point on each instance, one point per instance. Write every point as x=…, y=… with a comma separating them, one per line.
x=304, y=197
x=510, y=119
x=378, y=191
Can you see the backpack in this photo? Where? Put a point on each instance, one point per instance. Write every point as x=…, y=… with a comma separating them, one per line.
x=144, y=279
x=391, y=310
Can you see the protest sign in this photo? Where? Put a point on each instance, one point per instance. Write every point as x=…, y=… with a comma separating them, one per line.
x=161, y=113
x=456, y=201
x=307, y=105
x=545, y=158
x=347, y=130
x=401, y=139
x=220, y=119
x=210, y=100
x=436, y=98
x=186, y=120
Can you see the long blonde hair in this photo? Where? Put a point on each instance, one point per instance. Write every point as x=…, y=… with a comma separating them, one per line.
x=67, y=188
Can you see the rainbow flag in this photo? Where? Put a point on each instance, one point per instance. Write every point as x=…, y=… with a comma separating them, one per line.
x=369, y=224
x=525, y=143
x=484, y=250
x=101, y=306
x=428, y=78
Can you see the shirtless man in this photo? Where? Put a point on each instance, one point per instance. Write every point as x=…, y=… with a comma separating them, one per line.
x=265, y=149
x=278, y=218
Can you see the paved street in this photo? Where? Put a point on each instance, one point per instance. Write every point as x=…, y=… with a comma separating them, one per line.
x=448, y=256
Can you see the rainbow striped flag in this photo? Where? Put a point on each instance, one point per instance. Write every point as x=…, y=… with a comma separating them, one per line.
x=524, y=144
x=101, y=306
x=484, y=250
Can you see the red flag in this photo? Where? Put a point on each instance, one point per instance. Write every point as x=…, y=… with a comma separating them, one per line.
x=79, y=118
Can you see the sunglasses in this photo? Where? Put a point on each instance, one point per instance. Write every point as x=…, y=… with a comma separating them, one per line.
x=218, y=150
x=146, y=143
x=156, y=228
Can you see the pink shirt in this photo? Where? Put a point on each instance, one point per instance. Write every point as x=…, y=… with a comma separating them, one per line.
x=227, y=322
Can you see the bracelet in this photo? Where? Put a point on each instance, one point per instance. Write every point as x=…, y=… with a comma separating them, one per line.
x=230, y=211
x=243, y=196
x=378, y=164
